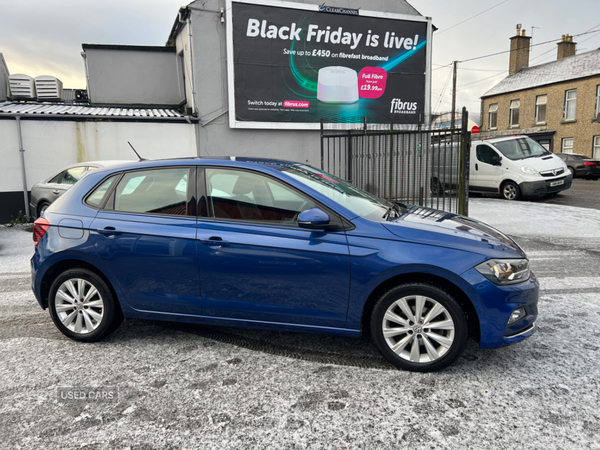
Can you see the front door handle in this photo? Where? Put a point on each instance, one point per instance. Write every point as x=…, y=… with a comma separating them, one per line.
x=215, y=241
x=476, y=166
x=110, y=231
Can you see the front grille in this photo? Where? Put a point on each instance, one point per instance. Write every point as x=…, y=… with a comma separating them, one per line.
x=552, y=173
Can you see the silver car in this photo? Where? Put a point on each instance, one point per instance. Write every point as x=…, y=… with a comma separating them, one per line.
x=44, y=193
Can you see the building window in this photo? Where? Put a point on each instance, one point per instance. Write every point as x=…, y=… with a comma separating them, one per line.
x=514, y=113
x=567, y=145
x=570, y=104
x=597, y=101
x=596, y=150
x=540, y=108
x=493, y=116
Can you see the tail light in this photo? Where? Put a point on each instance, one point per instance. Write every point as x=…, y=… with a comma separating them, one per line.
x=590, y=163
x=40, y=227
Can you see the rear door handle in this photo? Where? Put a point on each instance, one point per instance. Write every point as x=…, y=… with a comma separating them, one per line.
x=216, y=241
x=110, y=231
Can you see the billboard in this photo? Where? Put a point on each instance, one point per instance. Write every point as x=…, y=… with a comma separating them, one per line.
x=291, y=65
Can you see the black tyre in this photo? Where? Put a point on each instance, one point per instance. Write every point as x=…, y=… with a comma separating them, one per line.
x=42, y=207
x=511, y=191
x=436, y=187
x=419, y=327
x=82, y=306
x=572, y=171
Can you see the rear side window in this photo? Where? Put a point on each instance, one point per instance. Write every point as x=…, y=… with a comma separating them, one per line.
x=96, y=198
x=70, y=176
x=155, y=191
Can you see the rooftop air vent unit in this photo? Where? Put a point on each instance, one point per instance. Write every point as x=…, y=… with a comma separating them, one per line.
x=81, y=95
x=21, y=86
x=48, y=88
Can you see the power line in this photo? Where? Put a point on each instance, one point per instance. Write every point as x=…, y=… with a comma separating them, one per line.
x=546, y=52
x=466, y=20
x=534, y=45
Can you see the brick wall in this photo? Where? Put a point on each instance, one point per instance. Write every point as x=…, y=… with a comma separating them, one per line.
x=582, y=130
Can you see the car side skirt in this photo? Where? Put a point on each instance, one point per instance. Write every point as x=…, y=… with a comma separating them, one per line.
x=242, y=323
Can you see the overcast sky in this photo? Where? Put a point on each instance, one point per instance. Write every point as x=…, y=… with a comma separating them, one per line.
x=44, y=37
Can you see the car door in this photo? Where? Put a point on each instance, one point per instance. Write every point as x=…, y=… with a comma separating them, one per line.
x=257, y=264
x=485, y=176
x=145, y=235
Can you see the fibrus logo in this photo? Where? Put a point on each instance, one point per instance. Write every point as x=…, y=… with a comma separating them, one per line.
x=400, y=107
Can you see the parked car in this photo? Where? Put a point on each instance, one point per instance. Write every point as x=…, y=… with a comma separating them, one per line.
x=44, y=193
x=581, y=166
x=277, y=245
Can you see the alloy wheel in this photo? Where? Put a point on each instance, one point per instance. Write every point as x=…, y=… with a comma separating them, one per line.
x=510, y=192
x=418, y=329
x=79, y=305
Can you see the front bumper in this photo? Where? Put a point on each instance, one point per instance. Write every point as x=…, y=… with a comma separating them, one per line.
x=543, y=187
x=498, y=304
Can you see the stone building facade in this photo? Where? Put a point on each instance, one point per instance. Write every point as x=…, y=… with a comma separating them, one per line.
x=557, y=103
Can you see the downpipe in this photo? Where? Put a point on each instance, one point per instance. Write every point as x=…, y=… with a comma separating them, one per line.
x=23, y=171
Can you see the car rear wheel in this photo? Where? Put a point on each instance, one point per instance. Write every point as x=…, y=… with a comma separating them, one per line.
x=419, y=327
x=42, y=208
x=436, y=187
x=82, y=306
x=510, y=191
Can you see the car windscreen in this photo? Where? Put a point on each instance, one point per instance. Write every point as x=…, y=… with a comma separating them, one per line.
x=350, y=197
x=521, y=148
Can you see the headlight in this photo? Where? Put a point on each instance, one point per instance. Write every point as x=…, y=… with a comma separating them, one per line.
x=529, y=170
x=564, y=164
x=505, y=271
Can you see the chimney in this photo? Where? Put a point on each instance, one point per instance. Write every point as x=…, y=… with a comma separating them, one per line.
x=566, y=47
x=519, y=51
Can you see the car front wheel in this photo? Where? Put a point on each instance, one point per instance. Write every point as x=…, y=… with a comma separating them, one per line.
x=82, y=306
x=419, y=327
x=510, y=191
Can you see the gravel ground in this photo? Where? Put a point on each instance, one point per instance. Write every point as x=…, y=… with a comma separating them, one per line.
x=185, y=386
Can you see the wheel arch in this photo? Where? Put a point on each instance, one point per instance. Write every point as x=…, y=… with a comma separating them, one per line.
x=426, y=278
x=66, y=264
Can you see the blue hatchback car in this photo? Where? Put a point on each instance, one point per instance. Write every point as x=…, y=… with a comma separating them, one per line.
x=277, y=245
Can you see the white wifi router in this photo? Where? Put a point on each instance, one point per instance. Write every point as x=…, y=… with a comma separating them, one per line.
x=337, y=84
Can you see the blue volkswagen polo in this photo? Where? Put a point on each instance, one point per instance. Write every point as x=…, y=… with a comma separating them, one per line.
x=277, y=245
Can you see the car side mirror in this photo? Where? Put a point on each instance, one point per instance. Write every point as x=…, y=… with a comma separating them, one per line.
x=313, y=218
x=496, y=160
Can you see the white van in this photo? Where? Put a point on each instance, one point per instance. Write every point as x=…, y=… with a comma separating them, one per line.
x=516, y=166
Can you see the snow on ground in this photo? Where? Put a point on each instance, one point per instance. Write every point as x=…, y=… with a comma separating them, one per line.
x=535, y=219
x=194, y=387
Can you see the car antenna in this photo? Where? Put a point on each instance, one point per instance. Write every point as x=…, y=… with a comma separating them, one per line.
x=138, y=155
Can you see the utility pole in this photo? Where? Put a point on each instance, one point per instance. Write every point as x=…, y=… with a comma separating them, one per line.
x=453, y=95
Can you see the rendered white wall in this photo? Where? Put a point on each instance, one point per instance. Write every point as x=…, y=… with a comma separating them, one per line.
x=51, y=145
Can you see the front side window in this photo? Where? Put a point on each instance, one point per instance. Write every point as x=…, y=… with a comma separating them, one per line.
x=514, y=113
x=154, y=191
x=485, y=154
x=570, y=104
x=520, y=148
x=540, y=108
x=596, y=149
x=567, y=145
x=241, y=195
x=493, y=116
